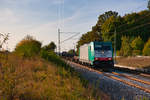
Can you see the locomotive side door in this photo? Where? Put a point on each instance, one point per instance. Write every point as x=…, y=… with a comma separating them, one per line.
x=91, y=53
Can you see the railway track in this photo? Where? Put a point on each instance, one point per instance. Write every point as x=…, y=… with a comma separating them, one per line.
x=120, y=77
x=132, y=78
x=141, y=73
x=145, y=75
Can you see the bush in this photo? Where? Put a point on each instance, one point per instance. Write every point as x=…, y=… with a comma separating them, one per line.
x=28, y=47
x=126, y=49
x=136, y=52
x=50, y=47
x=137, y=46
x=55, y=59
x=119, y=53
x=146, y=50
x=24, y=79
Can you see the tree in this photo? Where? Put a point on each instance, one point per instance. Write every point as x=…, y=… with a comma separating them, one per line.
x=4, y=38
x=148, y=6
x=72, y=52
x=137, y=45
x=95, y=34
x=131, y=25
x=28, y=47
x=50, y=47
x=126, y=49
x=136, y=24
x=108, y=30
x=102, y=18
x=146, y=50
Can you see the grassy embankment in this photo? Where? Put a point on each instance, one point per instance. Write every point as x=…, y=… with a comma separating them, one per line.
x=39, y=79
x=139, y=62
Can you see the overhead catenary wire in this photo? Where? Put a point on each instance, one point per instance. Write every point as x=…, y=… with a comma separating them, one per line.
x=61, y=25
x=127, y=24
x=106, y=32
x=133, y=28
x=69, y=38
x=60, y=21
x=61, y=14
x=69, y=32
x=135, y=21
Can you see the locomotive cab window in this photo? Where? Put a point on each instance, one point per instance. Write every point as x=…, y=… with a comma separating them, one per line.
x=100, y=47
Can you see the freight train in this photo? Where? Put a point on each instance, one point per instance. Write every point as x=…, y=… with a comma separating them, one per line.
x=95, y=54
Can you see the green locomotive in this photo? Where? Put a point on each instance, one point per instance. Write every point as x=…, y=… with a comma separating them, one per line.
x=99, y=54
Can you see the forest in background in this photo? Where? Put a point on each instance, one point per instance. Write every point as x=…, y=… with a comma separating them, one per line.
x=131, y=32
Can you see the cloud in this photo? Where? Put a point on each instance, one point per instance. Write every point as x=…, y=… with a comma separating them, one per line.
x=10, y=22
x=20, y=18
x=8, y=16
x=57, y=1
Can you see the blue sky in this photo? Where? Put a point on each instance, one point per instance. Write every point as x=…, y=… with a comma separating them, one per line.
x=42, y=18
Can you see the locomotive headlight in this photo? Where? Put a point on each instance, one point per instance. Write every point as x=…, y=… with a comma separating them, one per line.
x=109, y=58
x=96, y=58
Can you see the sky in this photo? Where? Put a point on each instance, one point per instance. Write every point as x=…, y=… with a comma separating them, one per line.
x=42, y=18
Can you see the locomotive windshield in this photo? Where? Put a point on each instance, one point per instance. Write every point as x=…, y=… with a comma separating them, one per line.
x=100, y=47
x=103, y=51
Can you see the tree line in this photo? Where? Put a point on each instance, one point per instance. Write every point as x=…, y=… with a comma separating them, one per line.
x=30, y=47
x=132, y=32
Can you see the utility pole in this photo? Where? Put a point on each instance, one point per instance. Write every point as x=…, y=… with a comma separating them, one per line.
x=59, y=41
x=115, y=33
x=74, y=49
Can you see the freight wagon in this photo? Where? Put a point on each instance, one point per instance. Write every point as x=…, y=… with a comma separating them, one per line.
x=97, y=54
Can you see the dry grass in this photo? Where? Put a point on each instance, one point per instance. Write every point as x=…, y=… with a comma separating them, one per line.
x=140, y=62
x=37, y=79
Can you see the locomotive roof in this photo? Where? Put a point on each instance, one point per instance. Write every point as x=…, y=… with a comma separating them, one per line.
x=107, y=42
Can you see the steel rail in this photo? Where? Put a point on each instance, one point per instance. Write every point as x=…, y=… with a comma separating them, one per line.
x=145, y=75
x=116, y=78
x=131, y=78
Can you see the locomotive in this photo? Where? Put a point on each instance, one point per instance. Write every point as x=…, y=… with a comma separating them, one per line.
x=95, y=54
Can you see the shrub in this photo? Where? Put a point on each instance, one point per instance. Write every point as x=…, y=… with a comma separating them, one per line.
x=137, y=46
x=28, y=47
x=126, y=49
x=146, y=50
x=50, y=47
x=24, y=79
x=52, y=57
x=136, y=52
x=119, y=53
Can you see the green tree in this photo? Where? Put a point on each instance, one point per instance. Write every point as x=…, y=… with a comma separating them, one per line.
x=136, y=24
x=131, y=25
x=50, y=47
x=102, y=18
x=72, y=52
x=95, y=34
x=137, y=45
x=88, y=37
x=109, y=28
x=148, y=6
x=146, y=50
x=28, y=47
x=126, y=49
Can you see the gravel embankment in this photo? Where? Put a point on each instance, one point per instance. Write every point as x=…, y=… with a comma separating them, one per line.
x=115, y=89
